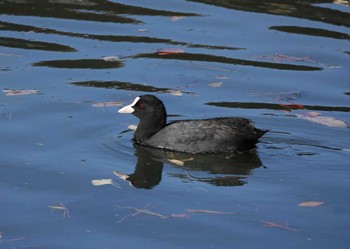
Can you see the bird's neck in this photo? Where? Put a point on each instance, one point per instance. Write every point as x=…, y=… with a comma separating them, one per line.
x=147, y=128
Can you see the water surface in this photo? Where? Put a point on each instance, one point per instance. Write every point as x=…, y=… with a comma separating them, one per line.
x=272, y=62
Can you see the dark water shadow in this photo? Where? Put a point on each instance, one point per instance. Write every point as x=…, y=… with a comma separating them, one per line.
x=80, y=64
x=305, y=9
x=226, y=60
x=272, y=106
x=215, y=169
x=125, y=86
x=312, y=32
x=88, y=10
x=35, y=45
x=109, y=38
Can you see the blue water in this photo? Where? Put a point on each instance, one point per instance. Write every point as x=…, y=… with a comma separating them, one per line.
x=261, y=55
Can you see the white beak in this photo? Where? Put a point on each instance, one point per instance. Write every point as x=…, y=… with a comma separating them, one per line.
x=129, y=108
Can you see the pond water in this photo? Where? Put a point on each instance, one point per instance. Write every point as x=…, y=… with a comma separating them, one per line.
x=283, y=64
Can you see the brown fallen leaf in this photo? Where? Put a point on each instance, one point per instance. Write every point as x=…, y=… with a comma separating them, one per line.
x=9, y=92
x=108, y=104
x=169, y=51
x=311, y=204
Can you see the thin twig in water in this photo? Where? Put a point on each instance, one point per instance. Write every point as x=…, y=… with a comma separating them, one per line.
x=273, y=224
x=209, y=211
x=60, y=206
x=138, y=211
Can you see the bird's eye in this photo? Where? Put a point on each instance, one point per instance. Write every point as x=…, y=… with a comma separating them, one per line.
x=142, y=106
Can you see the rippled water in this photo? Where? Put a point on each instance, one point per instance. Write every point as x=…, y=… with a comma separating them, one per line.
x=283, y=64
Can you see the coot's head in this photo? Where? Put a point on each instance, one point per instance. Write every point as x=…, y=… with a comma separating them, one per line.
x=145, y=106
x=152, y=114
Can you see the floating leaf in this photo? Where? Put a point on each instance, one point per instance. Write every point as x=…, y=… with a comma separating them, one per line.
x=132, y=127
x=180, y=162
x=111, y=58
x=176, y=18
x=215, y=84
x=176, y=162
x=176, y=93
x=9, y=92
x=292, y=106
x=310, y=203
x=323, y=120
x=108, y=104
x=101, y=182
x=169, y=51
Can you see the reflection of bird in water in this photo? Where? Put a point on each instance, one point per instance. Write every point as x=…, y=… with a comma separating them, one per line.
x=215, y=135
x=219, y=169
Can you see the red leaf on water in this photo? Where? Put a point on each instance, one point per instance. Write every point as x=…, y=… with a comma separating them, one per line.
x=292, y=106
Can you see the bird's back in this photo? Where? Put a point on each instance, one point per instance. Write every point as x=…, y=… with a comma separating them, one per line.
x=218, y=135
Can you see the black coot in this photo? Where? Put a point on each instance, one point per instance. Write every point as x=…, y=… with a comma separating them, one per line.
x=215, y=135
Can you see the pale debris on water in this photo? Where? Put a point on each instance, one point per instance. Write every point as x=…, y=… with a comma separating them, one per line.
x=177, y=162
x=323, y=120
x=215, y=84
x=180, y=162
x=11, y=92
x=177, y=93
x=107, y=104
x=176, y=18
x=111, y=58
x=170, y=51
x=102, y=182
x=62, y=207
x=132, y=127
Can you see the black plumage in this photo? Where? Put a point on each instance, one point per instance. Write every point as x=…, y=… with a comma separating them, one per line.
x=215, y=135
